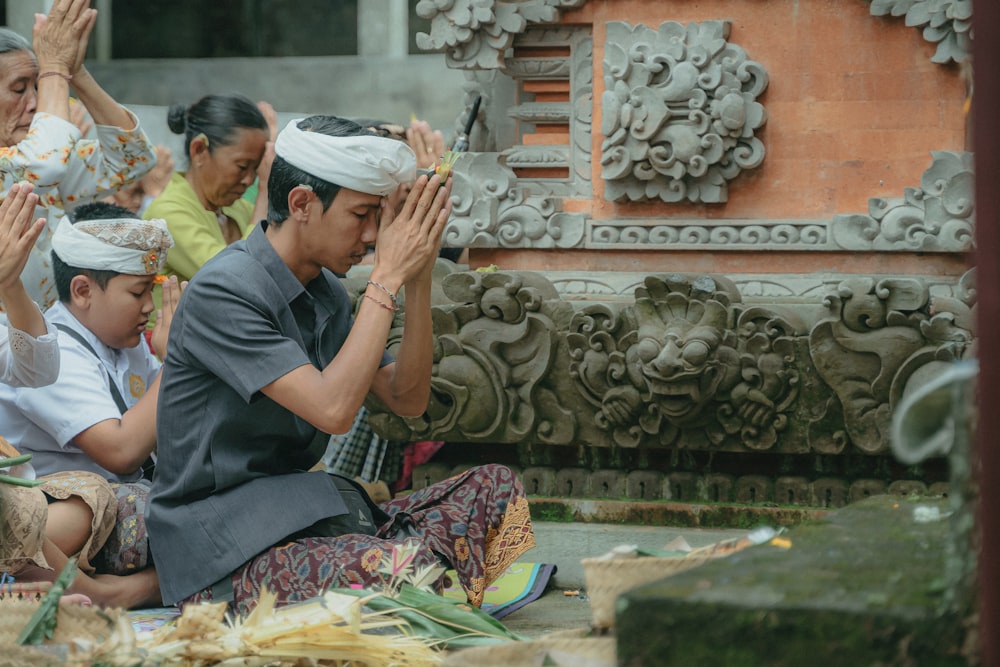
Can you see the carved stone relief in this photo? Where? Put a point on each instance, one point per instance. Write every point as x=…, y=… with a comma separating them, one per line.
x=684, y=358
x=937, y=216
x=495, y=208
x=947, y=23
x=686, y=365
x=679, y=112
x=477, y=33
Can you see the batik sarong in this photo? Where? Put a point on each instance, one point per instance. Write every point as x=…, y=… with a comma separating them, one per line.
x=476, y=522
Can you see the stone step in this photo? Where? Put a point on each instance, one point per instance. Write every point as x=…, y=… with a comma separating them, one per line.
x=864, y=585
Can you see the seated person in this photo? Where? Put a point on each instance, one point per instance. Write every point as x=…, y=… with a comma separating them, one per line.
x=227, y=146
x=105, y=264
x=234, y=507
x=72, y=513
x=42, y=144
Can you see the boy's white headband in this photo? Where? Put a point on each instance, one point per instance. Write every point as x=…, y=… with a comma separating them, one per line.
x=123, y=245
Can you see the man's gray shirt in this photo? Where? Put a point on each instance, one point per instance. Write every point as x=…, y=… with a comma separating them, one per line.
x=229, y=479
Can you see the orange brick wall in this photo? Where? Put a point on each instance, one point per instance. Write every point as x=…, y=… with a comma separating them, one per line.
x=854, y=104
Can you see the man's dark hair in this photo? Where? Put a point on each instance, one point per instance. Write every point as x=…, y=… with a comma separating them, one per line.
x=284, y=177
x=64, y=273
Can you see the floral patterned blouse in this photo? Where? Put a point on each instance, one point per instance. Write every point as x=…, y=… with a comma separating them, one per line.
x=67, y=171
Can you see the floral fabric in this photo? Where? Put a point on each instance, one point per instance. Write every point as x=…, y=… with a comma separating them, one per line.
x=476, y=523
x=127, y=548
x=67, y=171
x=23, y=514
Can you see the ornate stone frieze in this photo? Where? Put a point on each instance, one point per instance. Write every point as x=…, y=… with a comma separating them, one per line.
x=937, y=216
x=701, y=234
x=679, y=112
x=883, y=338
x=495, y=356
x=687, y=364
x=683, y=358
x=476, y=33
x=947, y=23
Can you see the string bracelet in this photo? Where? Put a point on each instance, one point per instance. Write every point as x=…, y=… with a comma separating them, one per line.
x=68, y=77
x=390, y=307
x=392, y=297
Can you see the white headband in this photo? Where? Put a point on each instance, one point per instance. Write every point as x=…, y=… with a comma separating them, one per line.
x=366, y=163
x=123, y=245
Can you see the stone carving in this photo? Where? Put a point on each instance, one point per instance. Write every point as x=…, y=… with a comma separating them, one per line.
x=688, y=365
x=493, y=356
x=679, y=112
x=476, y=33
x=490, y=210
x=755, y=234
x=684, y=358
x=947, y=23
x=493, y=207
x=882, y=339
x=937, y=216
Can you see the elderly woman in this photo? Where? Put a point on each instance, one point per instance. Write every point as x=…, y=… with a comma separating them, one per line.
x=227, y=142
x=43, y=147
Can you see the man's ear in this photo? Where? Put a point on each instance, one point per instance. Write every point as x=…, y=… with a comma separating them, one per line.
x=80, y=291
x=299, y=199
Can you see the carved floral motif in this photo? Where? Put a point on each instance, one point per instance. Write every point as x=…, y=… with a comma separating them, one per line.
x=937, y=216
x=680, y=112
x=476, y=33
x=947, y=23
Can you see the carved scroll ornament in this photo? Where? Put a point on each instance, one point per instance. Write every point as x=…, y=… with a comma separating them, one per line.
x=881, y=340
x=679, y=112
x=476, y=33
x=947, y=23
x=937, y=216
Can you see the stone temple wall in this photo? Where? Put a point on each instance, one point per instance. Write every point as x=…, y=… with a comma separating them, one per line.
x=724, y=232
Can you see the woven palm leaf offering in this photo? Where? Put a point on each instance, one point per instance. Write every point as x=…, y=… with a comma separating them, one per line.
x=406, y=594
x=332, y=630
x=443, y=169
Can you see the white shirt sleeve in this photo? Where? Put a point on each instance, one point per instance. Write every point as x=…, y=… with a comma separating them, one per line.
x=26, y=361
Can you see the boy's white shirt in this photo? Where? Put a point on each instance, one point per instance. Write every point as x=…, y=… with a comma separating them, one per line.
x=42, y=421
x=26, y=361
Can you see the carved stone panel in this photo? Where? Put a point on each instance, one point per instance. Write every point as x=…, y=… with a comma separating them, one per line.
x=937, y=216
x=947, y=23
x=680, y=112
x=476, y=33
x=687, y=365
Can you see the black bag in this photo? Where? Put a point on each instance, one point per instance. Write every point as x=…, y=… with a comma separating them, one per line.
x=363, y=515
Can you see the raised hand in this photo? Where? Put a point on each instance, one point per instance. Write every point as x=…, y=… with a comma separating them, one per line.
x=154, y=182
x=17, y=233
x=409, y=242
x=428, y=144
x=59, y=40
x=161, y=330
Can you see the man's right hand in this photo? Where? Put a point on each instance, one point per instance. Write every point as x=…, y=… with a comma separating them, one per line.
x=409, y=241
